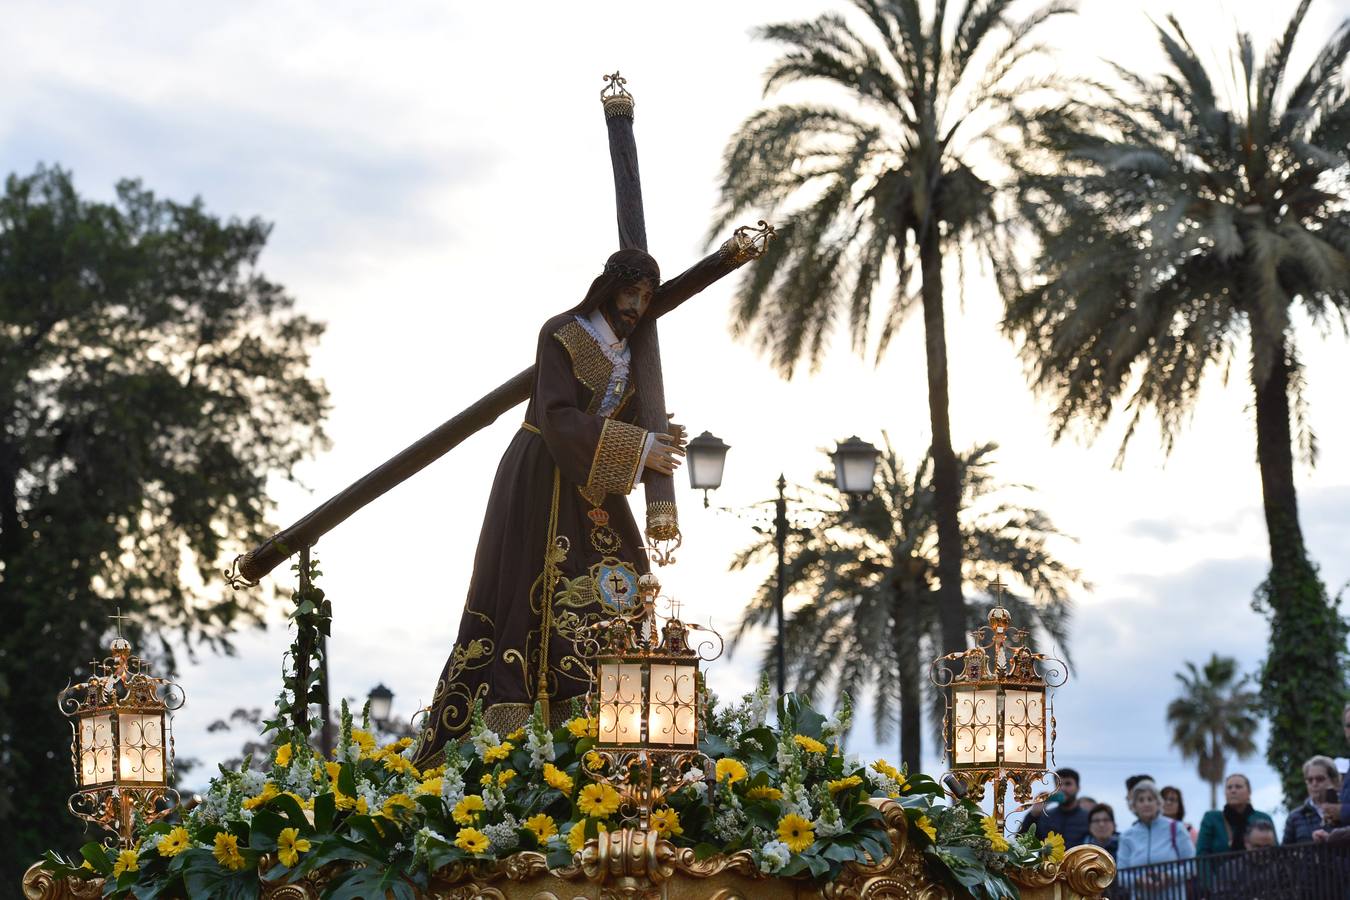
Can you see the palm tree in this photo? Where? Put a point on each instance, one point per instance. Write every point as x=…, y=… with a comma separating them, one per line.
x=1215, y=716
x=872, y=183
x=869, y=572
x=1182, y=231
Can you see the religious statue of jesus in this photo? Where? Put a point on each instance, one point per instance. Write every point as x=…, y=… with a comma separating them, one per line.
x=559, y=544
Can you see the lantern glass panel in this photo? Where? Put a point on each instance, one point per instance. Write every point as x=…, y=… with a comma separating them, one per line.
x=620, y=703
x=1024, y=727
x=707, y=458
x=96, y=749
x=974, y=726
x=140, y=740
x=672, y=705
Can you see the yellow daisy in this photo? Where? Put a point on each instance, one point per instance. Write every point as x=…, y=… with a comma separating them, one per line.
x=926, y=826
x=395, y=763
x=472, y=840
x=541, y=826
x=395, y=803
x=594, y=761
x=284, y=755
x=1055, y=842
x=997, y=842
x=466, y=811
x=227, y=852
x=504, y=778
x=126, y=862
x=666, y=821
x=576, y=838
x=764, y=792
x=888, y=770
x=430, y=787
x=516, y=736
x=499, y=752
x=364, y=740
x=730, y=771
x=809, y=744
x=557, y=779
x=843, y=784
x=796, y=832
x=598, y=800
x=175, y=842
x=290, y=845
x=268, y=792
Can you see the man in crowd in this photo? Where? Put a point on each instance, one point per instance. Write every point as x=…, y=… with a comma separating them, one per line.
x=1321, y=777
x=1068, y=818
x=1255, y=873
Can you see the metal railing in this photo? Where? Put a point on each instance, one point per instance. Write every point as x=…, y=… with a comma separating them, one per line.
x=1295, y=872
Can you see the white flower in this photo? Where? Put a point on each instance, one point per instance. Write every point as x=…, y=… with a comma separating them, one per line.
x=493, y=796
x=251, y=782
x=351, y=753
x=787, y=753
x=452, y=789
x=760, y=704
x=504, y=836
x=774, y=856
x=483, y=741
x=541, y=749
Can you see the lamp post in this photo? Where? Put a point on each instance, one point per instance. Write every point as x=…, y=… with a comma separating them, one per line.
x=122, y=742
x=381, y=701
x=855, y=468
x=999, y=725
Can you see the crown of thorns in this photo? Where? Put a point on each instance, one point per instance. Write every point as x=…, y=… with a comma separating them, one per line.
x=628, y=272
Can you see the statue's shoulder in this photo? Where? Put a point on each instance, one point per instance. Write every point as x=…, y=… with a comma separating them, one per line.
x=589, y=363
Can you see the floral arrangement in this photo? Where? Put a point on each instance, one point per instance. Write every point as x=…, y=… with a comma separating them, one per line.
x=785, y=793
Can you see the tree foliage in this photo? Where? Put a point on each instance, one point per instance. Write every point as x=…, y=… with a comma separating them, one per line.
x=868, y=573
x=152, y=380
x=1215, y=716
x=1185, y=222
x=876, y=183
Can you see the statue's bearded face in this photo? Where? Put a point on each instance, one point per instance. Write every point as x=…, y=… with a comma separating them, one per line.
x=626, y=307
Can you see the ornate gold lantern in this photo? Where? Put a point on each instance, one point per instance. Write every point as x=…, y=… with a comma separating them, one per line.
x=645, y=699
x=999, y=724
x=122, y=745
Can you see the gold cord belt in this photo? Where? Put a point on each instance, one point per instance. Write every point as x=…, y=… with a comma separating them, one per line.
x=532, y=428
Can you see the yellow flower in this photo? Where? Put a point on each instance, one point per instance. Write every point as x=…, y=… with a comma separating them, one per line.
x=472, y=840
x=499, y=752
x=1055, y=842
x=764, y=793
x=126, y=862
x=598, y=800
x=504, y=778
x=433, y=772
x=402, y=743
x=486, y=779
x=431, y=787
x=557, y=779
x=395, y=763
x=594, y=761
x=516, y=736
x=796, y=832
x=466, y=810
x=843, y=784
x=284, y=755
x=362, y=807
x=809, y=744
x=997, y=842
x=888, y=770
x=364, y=740
x=175, y=842
x=268, y=792
x=666, y=821
x=576, y=838
x=391, y=807
x=927, y=828
x=290, y=845
x=541, y=826
x=227, y=852
x=730, y=771
x=582, y=727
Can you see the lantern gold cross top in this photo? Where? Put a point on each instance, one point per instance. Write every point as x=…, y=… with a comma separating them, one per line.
x=119, y=619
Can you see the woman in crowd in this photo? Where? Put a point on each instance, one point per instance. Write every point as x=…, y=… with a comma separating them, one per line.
x=1175, y=808
x=1223, y=830
x=1102, y=828
x=1154, y=838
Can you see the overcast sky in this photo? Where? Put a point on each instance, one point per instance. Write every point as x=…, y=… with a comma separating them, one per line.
x=439, y=182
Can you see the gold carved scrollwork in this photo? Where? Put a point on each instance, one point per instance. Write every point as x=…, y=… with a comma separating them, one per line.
x=1088, y=870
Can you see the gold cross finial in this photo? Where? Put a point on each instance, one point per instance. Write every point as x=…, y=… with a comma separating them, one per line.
x=997, y=587
x=118, y=618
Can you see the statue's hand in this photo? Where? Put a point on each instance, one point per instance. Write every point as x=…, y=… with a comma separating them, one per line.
x=678, y=433
x=665, y=455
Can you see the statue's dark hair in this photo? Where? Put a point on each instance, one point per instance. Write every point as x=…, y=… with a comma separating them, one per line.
x=623, y=268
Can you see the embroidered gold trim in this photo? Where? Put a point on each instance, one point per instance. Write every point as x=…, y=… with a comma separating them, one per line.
x=617, y=454
x=589, y=363
x=505, y=718
x=663, y=521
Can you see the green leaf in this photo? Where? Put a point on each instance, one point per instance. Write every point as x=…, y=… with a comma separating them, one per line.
x=294, y=813
x=325, y=807
x=97, y=856
x=347, y=780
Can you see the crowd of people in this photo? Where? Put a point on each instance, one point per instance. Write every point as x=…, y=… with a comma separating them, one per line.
x=1161, y=833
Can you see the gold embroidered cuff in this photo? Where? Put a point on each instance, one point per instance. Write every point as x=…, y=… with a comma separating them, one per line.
x=663, y=522
x=615, y=465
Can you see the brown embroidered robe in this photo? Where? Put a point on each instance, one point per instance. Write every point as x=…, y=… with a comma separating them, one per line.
x=564, y=459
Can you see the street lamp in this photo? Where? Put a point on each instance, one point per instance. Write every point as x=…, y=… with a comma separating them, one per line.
x=381, y=701
x=707, y=457
x=122, y=744
x=855, y=467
